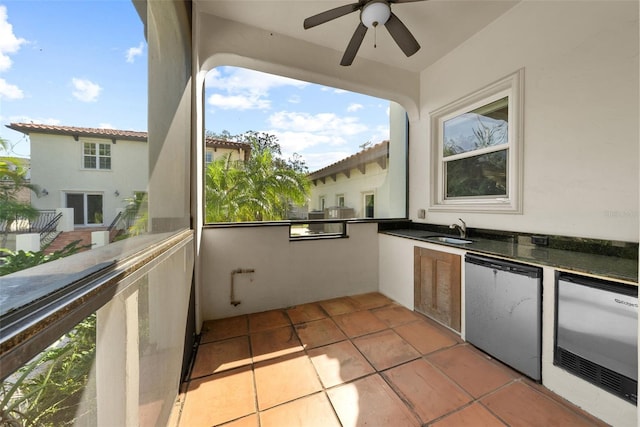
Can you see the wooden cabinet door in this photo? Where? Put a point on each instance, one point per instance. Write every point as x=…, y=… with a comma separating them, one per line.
x=437, y=286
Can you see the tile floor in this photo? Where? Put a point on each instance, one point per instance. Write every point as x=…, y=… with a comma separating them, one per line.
x=355, y=361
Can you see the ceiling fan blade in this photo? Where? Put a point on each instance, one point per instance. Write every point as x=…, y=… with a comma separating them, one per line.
x=329, y=15
x=404, y=1
x=402, y=35
x=354, y=45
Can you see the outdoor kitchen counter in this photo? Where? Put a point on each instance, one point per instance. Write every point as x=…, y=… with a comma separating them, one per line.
x=605, y=266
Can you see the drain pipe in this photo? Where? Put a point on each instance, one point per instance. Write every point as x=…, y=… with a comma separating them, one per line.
x=232, y=297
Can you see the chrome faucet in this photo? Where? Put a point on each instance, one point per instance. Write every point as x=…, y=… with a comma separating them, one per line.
x=462, y=229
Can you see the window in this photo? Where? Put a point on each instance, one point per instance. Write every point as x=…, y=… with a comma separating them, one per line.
x=208, y=157
x=369, y=205
x=340, y=200
x=322, y=203
x=477, y=150
x=87, y=208
x=96, y=155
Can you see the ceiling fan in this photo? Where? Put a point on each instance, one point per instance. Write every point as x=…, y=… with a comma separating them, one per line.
x=372, y=14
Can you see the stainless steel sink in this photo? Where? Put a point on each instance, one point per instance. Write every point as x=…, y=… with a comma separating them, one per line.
x=448, y=239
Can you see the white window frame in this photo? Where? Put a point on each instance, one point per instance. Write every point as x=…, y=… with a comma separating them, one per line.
x=85, y=207
x=338, y=201
x=208, y=157
x=364, y=204
x=512, y=87
x=97, y=156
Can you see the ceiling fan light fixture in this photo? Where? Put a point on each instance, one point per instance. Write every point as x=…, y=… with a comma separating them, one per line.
x=375, y=13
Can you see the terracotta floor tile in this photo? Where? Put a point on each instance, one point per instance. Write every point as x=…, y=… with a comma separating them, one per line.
x=395, y=315
x=426, y=338
x=221, y=355
x=219, y=398
x=520, y=405
x=474, y=415
x=268, y=320
x=430, y=393
x=305, y=313
x=319, y=332
x=310, y=411
x=274, y=343
x=339, y=363
x=285, y=379
x=338, y=306
x=306, y=371
x=370, y=402
x=250, y=421
x=385, y=349
x=359, y=323
x=370, y=300
x=214, y=330
x=472, y=369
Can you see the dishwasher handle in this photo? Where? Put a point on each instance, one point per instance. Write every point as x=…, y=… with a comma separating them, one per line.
x=504, y=265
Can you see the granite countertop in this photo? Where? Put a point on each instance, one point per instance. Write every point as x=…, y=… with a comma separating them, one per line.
x=605, y=266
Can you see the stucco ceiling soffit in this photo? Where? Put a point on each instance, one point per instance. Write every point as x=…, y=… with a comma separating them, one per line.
x=439, y=26
x=225, y=42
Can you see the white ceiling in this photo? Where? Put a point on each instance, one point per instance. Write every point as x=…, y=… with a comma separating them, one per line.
x=438, y=25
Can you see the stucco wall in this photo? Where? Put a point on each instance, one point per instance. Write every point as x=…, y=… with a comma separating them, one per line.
x=353, y=190
x=580, y=63
x=286, y=272
x=56, y=165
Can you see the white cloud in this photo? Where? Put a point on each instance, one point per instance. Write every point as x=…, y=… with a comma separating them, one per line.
x=317, y=161
x=39, y=120
x=9, y=43
x=297, y=142
x=85, y=90
x=244, y=89
x=9, y=91
x=328, y=124
x=132, y=52
x=294, y=99
x=300, y=132
x=334, y=90
x=238, y=102
x=354, y=107
x=106, y=126
x=242, y=79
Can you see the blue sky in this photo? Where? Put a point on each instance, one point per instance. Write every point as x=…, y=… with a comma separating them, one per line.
x=84, y=63
x=320, y=123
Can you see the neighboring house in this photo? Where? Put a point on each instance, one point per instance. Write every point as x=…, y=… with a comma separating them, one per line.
x=369, y=184
x=216, y=148
x=352, y=183
x=94, y=171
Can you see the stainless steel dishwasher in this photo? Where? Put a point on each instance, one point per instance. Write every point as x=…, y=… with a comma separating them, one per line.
x=503, y=312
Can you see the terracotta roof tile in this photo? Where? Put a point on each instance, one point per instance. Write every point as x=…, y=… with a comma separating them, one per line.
x=223, y=143
x=27, y=128
x=373, y=153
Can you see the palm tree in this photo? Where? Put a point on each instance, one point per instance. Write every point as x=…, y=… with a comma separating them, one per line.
x=260, y=189
x=13, y=178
